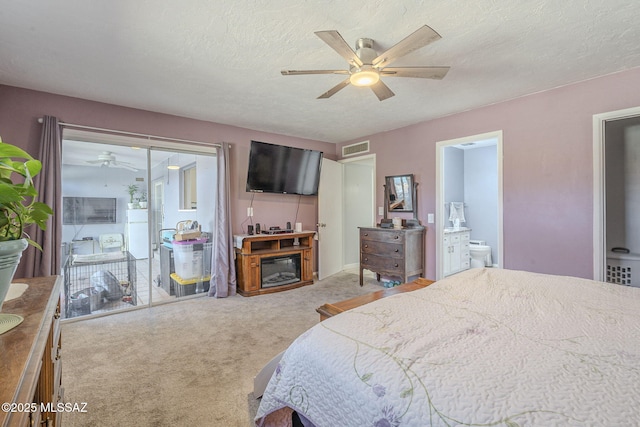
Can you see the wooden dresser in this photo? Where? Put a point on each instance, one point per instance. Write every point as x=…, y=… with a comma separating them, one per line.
x=392, y=252
x=30, y=365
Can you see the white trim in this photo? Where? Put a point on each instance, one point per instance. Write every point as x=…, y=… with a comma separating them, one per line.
x=599, y=193
x=163, y=142
x=360, y=158
x=367, y=157
x=349, y=267
x=440, y=209
x=371, y=157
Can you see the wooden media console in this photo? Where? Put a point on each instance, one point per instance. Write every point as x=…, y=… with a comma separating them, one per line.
x=268, y=263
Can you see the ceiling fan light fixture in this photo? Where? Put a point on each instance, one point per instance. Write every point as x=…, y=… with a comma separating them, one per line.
x=173, y=165
x=364, y=77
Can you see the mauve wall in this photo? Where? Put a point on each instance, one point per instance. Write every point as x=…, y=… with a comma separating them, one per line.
x=20, y=109
x=548, y=171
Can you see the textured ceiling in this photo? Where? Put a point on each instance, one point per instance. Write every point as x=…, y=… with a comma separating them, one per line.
x=220, y=60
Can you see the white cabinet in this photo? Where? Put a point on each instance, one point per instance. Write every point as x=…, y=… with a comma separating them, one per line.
x=456, y=251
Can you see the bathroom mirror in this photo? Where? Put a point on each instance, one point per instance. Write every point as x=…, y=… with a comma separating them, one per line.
x=400, y=193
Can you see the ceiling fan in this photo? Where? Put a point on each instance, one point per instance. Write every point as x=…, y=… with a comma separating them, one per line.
x=108, y=159
x=366, y=66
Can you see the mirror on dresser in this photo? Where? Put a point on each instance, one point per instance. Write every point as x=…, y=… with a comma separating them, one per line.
x=400, y=194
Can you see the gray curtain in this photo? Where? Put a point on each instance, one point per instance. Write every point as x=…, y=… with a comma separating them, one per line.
x=48, y=183
x=223, y=267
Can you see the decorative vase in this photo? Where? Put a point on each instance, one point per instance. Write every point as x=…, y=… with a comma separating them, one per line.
x=131, y=205
x=143, y=205
x=10, y=254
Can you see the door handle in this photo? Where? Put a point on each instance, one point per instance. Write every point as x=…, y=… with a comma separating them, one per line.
x=321, y=224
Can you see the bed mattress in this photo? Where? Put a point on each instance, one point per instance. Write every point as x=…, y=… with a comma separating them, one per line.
x=486, y=347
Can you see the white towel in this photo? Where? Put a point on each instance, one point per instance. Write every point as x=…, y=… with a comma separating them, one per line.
x=456, y=211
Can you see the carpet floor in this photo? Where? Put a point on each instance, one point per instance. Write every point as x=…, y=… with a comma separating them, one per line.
x=189, y=363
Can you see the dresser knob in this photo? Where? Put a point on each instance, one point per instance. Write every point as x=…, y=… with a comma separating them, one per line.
x=396, y=237
x=395, y=265
x=397, y=250
x=366, y=246
x=366, y=259
x=366, y=234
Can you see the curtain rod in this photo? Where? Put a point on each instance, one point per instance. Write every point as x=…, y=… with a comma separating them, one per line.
x=159, y=138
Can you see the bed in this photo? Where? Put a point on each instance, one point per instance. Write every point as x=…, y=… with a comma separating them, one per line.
x=486, y=347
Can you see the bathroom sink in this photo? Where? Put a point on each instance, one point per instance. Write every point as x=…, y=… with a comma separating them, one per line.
x=452, y=230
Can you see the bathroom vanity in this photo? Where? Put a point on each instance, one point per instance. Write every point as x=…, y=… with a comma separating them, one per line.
x=455, y=248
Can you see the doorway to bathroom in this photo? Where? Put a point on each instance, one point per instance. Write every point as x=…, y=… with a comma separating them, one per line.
x=616, y=174
x=469, y=177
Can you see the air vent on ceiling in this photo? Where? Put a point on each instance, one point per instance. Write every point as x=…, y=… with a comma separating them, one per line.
x=357, y=148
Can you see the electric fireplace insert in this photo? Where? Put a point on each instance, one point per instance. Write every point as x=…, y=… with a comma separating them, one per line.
x=280, y=270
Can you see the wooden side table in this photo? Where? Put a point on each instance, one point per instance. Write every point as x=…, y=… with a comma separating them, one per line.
x=331, y=309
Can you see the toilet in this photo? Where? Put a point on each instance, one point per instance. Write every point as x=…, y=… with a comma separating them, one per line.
x=480, y=254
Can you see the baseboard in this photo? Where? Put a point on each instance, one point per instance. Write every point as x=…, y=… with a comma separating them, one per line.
x=353, y=266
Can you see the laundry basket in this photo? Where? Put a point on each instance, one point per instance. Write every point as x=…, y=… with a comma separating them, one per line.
x=623, y=268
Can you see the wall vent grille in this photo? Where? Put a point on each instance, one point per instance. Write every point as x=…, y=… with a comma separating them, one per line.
x=357, y=148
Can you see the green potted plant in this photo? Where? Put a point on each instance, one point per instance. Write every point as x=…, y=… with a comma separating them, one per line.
x=18, y=209
x=142, y=200
x=132, y=189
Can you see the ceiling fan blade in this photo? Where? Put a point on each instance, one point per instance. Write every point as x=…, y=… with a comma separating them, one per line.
x=382, y=91
x=419, y=72
x=115, y=164
x=93, y=162
x=419, y=38
x=335, y=89
x=337, y=43
x=302, y=72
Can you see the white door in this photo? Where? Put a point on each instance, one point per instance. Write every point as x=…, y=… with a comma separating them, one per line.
x=330, y=254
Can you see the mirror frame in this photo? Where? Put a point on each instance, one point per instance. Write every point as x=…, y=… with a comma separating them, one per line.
x=388, y=181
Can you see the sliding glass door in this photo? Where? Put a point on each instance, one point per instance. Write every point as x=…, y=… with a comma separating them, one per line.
x=137, y=222
x=183, y=217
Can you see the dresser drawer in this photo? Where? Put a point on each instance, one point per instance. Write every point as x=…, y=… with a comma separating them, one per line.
x=464, y=249
x=392, y=252
x=381, y=263
x=382, y=248
x=389, y=236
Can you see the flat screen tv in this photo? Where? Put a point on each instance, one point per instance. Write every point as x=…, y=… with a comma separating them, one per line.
x=88, y=210
x=280, y=169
